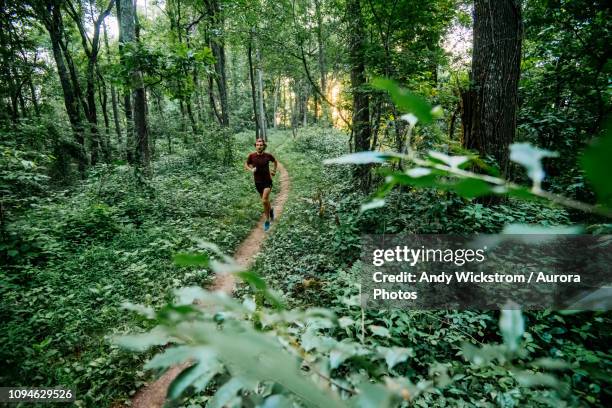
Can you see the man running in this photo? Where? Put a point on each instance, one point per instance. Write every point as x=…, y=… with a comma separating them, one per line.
x=258, y=163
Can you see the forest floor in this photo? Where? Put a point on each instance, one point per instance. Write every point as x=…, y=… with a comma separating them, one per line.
x=154, y=394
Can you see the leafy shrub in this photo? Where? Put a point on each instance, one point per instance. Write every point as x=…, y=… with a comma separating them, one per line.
x=97, y=222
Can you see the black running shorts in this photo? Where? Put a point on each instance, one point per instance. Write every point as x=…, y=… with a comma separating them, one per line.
x=262, y=186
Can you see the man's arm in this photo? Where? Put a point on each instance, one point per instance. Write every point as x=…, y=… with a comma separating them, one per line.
x=273, y=171
x=248, y=166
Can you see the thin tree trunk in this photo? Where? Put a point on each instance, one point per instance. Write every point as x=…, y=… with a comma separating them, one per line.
x=213, y=105
x=103, y=101
x=304, y=108
x=275, y=102
x=326, y=117
x=114, y=102
x=260, y=98
x=194, y=125
x=253, y=90
x=33, y=96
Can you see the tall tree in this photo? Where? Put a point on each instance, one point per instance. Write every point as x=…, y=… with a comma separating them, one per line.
x=114, y=103
x=49, y=12
x=91, y=47
x=217, y=45
x=128, y=38
x=253, y=88
x=361, y=110
x=322, y=62
x=490, y=105
x=261, y=111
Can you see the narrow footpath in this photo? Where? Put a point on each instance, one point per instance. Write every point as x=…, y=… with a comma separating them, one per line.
x=154, y=394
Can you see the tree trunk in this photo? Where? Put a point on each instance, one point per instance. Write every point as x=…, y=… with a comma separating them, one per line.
x=275, y=102
x=91, y=49
x=127, y=98
x=490, y=105
x=214, y=112
x=54, y=25
x=361, y=111
x=103, y=101
x=260, y=99
x=116, y=118
x=305, y=107
x=33, y=96
x=253, y=90
x=326, y=118
x=128, y=35
x=218, y=50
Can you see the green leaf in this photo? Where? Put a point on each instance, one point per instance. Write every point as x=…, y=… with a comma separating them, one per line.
x=179, y=354
x=345, y=322
x=144, y=341
x=523, y=193
x=340, y=353
x=597, y=165
x=186, y=295
x=190, y=259
x=527, y=379
x=395, y=355
x=229, y=391
x=202, y=381
x=417, y=172
x=374, y=396
x=187, y=377
x=420, y=181
x=512, y=327
x=372, y=204
x=470, y=188
x=551, y=363
x=531, y=157
x=363, y=158
x=310, y=340
x=451, y=161
x=259, y=357
x=258, y=284
x=379, y=331
x=146, y=311
x=277, y=401
x=405, y=100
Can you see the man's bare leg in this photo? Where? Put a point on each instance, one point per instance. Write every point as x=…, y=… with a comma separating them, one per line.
x=265, y=198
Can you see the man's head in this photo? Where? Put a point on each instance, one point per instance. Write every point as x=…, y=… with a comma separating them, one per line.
x=260, y=145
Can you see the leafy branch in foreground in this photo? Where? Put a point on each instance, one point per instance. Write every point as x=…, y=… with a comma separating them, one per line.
x=449, y=173
x=258, y=356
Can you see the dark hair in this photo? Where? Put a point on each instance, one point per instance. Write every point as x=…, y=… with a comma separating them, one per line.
x=263, y=141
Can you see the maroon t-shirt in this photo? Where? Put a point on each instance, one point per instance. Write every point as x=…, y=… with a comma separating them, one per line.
x=261, y=162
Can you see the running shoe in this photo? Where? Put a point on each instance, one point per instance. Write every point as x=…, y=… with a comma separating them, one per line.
x=266, y=226
x=271, y=214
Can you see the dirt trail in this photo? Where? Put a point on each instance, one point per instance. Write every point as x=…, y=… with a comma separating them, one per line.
x=154, y=394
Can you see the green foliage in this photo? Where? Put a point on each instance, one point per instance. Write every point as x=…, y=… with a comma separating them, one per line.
x=74, y=258
x=406, y=101
x=71, y=258
x=597, y=165
x=444, y=172
x=565, y=72
x=457, y=346
x=255, y=354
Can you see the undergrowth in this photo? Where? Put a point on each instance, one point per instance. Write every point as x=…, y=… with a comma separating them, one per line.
x=313, y=260
x=76, y=256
